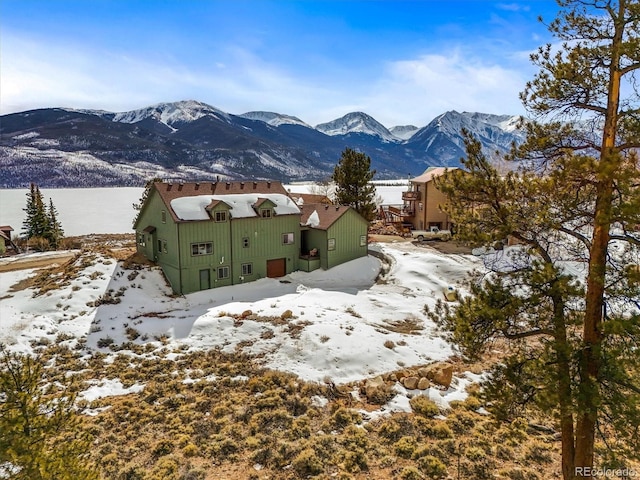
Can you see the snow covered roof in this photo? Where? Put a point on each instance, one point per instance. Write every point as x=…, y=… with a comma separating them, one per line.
x=241, y=205
x=321, y=216
x=430, y=173
x=215, y=191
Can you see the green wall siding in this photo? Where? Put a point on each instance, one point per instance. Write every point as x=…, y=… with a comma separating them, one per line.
x=347, y=231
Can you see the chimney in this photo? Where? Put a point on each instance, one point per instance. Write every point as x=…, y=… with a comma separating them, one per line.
x=268, y=184
x=255, y=185
x=180, y=185
x=228, y=185
x=197, y=185
x=169, y=185
x=241, y=185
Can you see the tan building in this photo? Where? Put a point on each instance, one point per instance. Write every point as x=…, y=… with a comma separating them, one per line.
x=422, y=202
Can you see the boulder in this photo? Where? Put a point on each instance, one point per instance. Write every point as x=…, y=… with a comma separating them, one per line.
x=410, y=383
x=440, y=373
x=423, y=383
x=372, y=385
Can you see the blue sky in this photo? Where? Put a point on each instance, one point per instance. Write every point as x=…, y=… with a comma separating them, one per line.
x=403, y=62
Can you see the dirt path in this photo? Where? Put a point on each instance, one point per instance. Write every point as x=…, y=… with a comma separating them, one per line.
x=37, y=262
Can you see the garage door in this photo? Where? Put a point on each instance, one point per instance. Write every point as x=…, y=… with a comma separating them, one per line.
x=276, y=268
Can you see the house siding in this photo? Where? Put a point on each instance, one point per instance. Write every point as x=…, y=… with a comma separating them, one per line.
x=347, y=233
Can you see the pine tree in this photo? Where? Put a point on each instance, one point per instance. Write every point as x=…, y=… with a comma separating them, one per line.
x=353, y=176
x=576, y=200
x=143, y=198
x=54, y=231
x=42, y=438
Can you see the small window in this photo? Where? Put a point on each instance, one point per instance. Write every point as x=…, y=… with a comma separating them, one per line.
x=159, y=246
x=164, y=216
x=221, y=216
x=245, y=242
x=265, y=213
x=141, y=240
x=223, y=272
x=363, y=240
x=247, y=269
x=205, y=248
x=420, y=206
x=164, y=246
x=331, y=244
x=287, y=238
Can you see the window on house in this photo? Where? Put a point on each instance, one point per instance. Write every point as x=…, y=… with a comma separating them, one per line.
x=265, y=213
x=420, y=206
x=221, y=216
x=245, y=242
x=141, y=240
x=205, y=248
x=331, y=244
x=363, y=240
x=287, y=238
x=247, y=269
x=164, y=246
x=223, y=272
x=159, y=246
x=164, y=216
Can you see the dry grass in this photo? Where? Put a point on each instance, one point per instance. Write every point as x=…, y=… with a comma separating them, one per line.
x=233, y=415
x=409, y=326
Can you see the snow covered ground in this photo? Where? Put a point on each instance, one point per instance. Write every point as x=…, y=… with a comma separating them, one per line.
x=321, y=325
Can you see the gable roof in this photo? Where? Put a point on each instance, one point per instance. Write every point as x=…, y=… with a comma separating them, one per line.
x=430, y=173
x=215, y=191
x=308, y=198
x=327, y=214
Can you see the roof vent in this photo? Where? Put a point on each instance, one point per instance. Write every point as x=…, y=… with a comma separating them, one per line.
x=337, y=207
x=241, y=185
x=169, y=185
x=180, y=186
x=197, y=185
x=255, y=185
x=268, y=184
x=326, y=207
x=228, y=185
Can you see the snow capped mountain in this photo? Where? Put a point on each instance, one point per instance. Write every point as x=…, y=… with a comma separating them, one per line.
x=357, y=122
x=404, y=132
x=191, y=140
x=172, y=114
x=274, y=119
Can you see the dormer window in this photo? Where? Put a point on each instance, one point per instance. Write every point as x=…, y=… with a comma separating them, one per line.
x=265, y=213
x=221, y=216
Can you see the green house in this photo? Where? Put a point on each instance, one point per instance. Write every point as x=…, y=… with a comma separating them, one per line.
x=207, y=235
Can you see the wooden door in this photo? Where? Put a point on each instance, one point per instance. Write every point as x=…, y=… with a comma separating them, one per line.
x=276, y=268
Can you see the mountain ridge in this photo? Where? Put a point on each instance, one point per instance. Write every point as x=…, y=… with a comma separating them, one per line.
x=189, y=140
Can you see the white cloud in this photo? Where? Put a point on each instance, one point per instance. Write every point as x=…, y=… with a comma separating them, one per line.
x=45, y=74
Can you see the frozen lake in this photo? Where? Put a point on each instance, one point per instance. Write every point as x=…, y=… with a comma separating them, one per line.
x=83, y=211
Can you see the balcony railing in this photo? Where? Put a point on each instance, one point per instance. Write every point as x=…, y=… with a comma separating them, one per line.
x=410, y=195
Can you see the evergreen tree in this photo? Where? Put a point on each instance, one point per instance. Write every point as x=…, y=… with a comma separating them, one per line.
x=143, y=198
x=54, y=231
x=353, y=176
x=573, y=337
x=35, y=223
x=41, y=436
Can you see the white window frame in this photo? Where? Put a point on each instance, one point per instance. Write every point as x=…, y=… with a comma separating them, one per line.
x=363, y=240
x=225, y=269
x=201, y=248
x=247, y=269
x=265, y=213
x=288, y=238
x=222, y=214
x=331, y=244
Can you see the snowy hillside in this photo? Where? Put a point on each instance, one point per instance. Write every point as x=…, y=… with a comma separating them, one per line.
x=340, y=323
x=403, y=132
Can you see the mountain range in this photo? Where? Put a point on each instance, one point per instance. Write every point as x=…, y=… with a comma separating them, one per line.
x=190, y=140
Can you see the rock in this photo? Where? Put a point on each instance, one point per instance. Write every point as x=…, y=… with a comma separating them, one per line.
x=372, y=385
x=423, y=372
x=440, y=373
x=392, y=377
x=246, y=314
x=410, y=382
x=423, y=383
x=401, y=374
